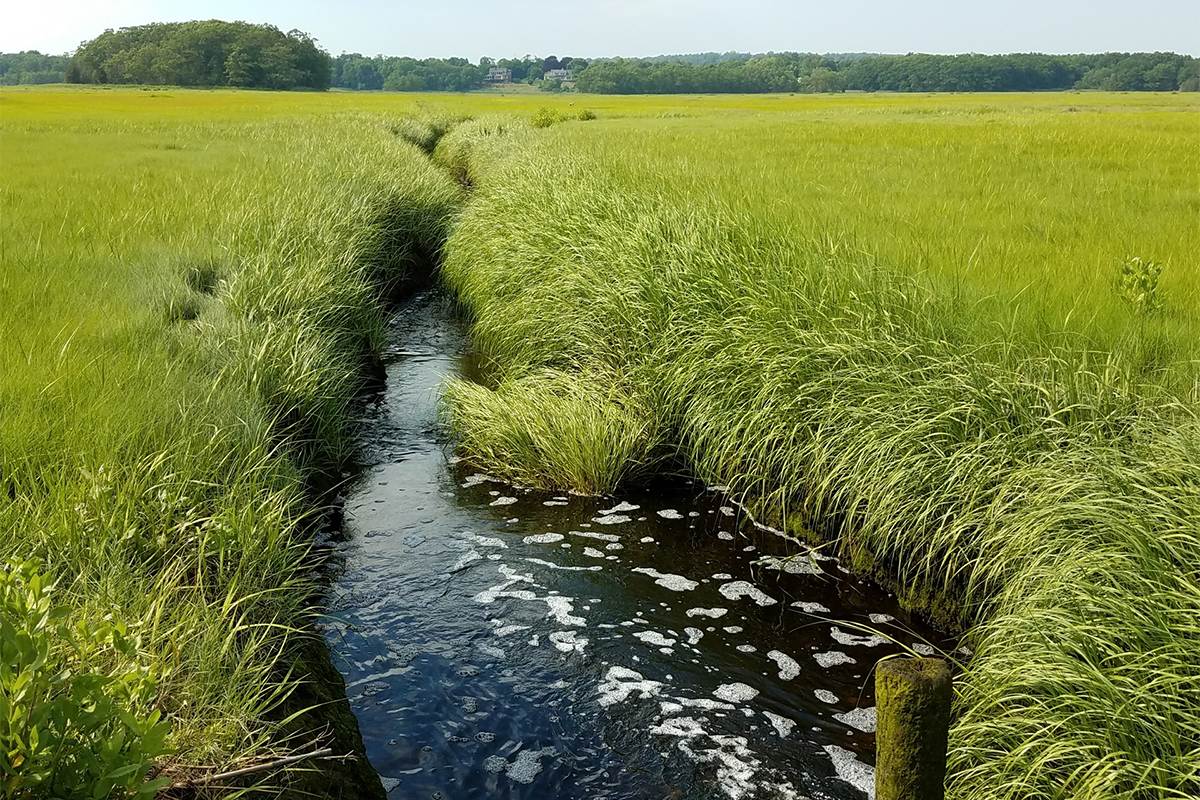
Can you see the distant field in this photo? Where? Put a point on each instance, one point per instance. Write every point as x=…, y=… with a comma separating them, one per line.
x=897, y=312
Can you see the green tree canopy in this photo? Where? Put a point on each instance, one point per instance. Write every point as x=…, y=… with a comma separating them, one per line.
x=203, y=53
x=30, y=66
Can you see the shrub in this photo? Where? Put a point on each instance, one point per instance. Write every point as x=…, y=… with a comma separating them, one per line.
x=545, y=117
x=68, y=733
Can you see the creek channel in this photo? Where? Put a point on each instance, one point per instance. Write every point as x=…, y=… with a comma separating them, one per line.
x=501, y=642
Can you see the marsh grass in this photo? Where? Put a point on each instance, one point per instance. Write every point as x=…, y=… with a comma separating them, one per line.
x=185, y=330
x=1027, y=477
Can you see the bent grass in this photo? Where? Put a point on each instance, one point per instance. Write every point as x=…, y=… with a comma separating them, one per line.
x=189, y=300
x=1021, y=467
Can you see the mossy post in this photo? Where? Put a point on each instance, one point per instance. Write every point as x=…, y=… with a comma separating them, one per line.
x=912, y=697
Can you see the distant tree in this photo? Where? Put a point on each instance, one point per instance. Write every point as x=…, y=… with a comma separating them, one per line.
x=824, y=81
x=550, y=63
x=203, y=53
x=1189, y=77
x=31, y=66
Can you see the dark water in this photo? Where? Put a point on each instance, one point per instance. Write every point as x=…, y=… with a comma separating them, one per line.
x=505, y=643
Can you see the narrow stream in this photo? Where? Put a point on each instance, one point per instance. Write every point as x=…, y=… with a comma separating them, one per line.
x=499, y=642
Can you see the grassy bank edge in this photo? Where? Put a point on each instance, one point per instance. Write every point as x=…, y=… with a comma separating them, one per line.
x=1072, y=567
x=290, y=325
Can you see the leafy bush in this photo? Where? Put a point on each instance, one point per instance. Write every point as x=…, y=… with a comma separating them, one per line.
x=1137, y=284
x=587, y=114
x=67, y=733
x=545, y=117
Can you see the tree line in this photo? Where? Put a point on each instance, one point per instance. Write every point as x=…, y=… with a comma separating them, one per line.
x=787, y=72
x=357, y=72
x=30, y=66
x=215, y=53
x=202, y=53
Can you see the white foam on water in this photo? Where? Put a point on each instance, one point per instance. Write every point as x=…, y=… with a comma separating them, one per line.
x=489, y=650
x=553, y=503
x=505, y=630
x=705, y=703
x=552, y=565
x=568, y=641
x=726, y=510
x=543, y=538
x=494, y=556
x=810, y=608
x=490, y=594
x=655, y=638
x=738, y=589
x=389, y=784
x=735, y=692
x=620, y=682
x=670, y=513
x=619, y=508
x=683, y=727
x=488, y=541
x=789, y=668
x=503, y=501
x=713, y=613
x=725, y=535
x=747, y=648
x=694, y=635
x=833, y=658
x=881, y=619
x=783, y=726
x=465, y=560
x=793, y=565
x=647, y=539
x=861, y=718
x=722, y=576
x=826, y=696
x=593, y=552
x=924, y=649
x=604, y=537
x=676, y=583
x=614, y=546
x=851, y=770
x=733, y=629
x=851, y=640
x=528, y=763
x=612, y=519
x=560, y=609
x=478, y=478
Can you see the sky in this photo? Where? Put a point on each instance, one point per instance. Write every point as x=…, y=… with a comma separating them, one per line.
x=597, y=28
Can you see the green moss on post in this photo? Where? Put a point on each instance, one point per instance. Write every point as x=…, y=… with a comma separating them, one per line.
x=913, y=708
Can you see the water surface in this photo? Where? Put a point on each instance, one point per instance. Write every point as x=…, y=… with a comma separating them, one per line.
x=499, y=642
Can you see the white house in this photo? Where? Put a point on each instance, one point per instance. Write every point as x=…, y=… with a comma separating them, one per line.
x=499, y=75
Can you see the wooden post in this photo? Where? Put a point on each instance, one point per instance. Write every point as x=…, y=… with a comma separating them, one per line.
x=912, y=697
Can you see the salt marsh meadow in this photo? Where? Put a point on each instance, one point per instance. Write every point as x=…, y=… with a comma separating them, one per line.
x=954, y=338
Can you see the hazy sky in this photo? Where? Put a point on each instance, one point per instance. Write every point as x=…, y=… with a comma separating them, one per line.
x=502, y=28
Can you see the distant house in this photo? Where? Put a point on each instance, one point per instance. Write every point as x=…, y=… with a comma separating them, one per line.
x=499, y=75
x=557, y=75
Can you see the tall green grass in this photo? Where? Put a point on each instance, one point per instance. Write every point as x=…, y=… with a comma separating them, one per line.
x=189, y=304
x=1028, y=476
